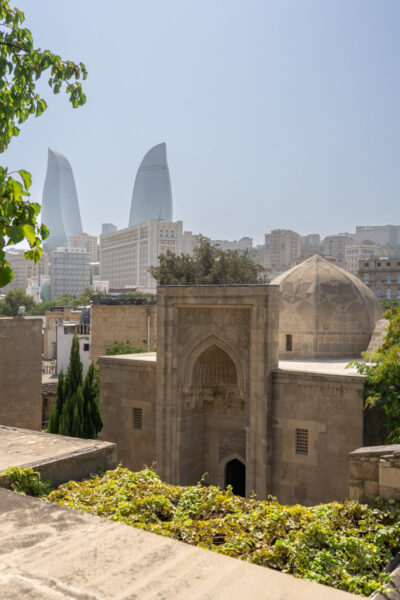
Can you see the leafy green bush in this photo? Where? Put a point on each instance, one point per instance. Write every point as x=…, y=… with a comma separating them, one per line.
x=26, y=481
x=345, y=545
x=126, y=348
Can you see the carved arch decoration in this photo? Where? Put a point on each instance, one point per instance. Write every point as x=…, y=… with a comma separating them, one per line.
x=201, y=347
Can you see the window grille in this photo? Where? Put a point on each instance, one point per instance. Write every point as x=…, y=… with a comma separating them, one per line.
x=301, y=441
x=137, y=418
x=289, y=343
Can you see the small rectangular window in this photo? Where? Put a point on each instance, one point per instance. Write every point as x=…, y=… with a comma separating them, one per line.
x=137, y=418
x=86, y=347
x=301, y=441
x=289, y=343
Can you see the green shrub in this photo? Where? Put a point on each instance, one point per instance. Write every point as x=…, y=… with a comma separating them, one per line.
x=345, y=545
x=25, y=481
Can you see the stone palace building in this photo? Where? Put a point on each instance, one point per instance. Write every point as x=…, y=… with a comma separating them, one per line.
x=249, y=385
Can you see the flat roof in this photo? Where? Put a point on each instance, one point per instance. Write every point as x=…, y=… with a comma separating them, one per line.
x=329, y=367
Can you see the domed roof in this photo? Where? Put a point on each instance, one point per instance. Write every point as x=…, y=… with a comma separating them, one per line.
x=319, y=299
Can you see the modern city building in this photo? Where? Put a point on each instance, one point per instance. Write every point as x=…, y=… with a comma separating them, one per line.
x=335, y=245
x=189, y=242
x=69, y=271
x=311, y=243
x=152, y=195
x=108, y=228
x=86, y=241
x=382, y=276
x=356, y=252
x=282, y=246
x=380, y=234
x=60, y=208
x=25, y=270
x=245, y=243
x=127, y=254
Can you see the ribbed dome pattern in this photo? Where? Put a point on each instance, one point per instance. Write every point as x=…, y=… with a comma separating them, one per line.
x=214, y=367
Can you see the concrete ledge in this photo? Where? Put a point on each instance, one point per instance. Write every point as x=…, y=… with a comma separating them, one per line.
x=48, y=552
x=56, y=457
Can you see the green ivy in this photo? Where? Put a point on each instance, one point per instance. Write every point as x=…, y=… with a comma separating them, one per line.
x=344, y=545
x=25, y=481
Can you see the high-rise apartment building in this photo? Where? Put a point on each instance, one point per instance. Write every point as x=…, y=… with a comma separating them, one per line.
x=189, y=242
x=60, y=208
x=69, y=271
x=356, y=252
x=282, y=246
x=382, y=276
x=380, y=234
x=108, y=228
x=311, y=243
x=127, y=254
x=245, y=243
x=335, y=245
x=85, y=241
x=152, y=195
x=25, y=269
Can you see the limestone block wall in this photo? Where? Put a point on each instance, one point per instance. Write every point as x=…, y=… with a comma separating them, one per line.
x=119, y=323
x=317, y=421
x=127, y=401
x=21, y=372
x=375, y=471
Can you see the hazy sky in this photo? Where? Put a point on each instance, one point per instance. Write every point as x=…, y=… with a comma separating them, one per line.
x=279, y=114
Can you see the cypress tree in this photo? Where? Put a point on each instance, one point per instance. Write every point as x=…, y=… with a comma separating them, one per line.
x=76, y=412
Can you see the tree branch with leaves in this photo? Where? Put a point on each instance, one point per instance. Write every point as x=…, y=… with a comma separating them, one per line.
x=21, y=65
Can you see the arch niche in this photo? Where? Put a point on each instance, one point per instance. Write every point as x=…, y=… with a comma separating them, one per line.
x=213, y=414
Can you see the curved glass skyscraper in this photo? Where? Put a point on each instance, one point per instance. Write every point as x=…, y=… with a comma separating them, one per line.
x=60, y=208
x=152, y=196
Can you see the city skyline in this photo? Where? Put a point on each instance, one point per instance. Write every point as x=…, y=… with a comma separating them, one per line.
x=276, y=115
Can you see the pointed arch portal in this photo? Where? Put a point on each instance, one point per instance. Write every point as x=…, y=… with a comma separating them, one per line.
x=235, y=475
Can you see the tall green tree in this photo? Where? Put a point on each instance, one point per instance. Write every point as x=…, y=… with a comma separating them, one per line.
x=210, y=265
x=382, y=371
x=76, y=412
x=13, y=299
x=21, y=66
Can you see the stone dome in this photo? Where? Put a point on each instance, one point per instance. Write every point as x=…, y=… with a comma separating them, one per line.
x=325, y=312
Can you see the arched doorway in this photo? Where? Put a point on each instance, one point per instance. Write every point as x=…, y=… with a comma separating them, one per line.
x=235, y=475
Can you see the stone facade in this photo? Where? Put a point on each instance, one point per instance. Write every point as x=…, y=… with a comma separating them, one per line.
x=119, y=323
x=330, y=409
x=375, y=471
x=21, y=372
x=382, y=276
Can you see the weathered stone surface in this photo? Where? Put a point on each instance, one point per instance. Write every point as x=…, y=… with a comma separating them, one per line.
x=52, y=553
x=111, y=324
x=57, y=458
x=328, y=312
x=21, y=372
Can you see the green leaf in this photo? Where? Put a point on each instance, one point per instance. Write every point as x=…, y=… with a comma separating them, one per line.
x=6, y=275
x=26, y=177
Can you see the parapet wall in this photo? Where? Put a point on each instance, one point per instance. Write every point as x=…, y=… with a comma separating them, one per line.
x=375, y=471
x=21, y=372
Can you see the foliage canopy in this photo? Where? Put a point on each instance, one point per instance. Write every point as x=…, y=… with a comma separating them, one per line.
x=344, y=545
x=76, y=412
x=21, y=65
x=382, y=371
x=210, y=265
x=126, y=348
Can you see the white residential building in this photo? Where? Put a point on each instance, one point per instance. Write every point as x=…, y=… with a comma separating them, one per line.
x=69, y=272
x=127, y=254
x=356, y=252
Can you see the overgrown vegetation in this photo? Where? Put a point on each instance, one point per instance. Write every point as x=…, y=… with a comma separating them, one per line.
x=126, y=347
x=382, y=371
x=25, y=481
x=76, y=412
x=210, y=265
x=345, y=545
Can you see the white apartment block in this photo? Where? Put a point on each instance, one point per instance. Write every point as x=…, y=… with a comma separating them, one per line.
x=245, y=243
x=127, y=254
x=189, y=242
x=24, y=269
x=356, y=252
x=379, y=234
x=69, y=272
x=335, y=245
x=85, y=241
x=282, y=246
